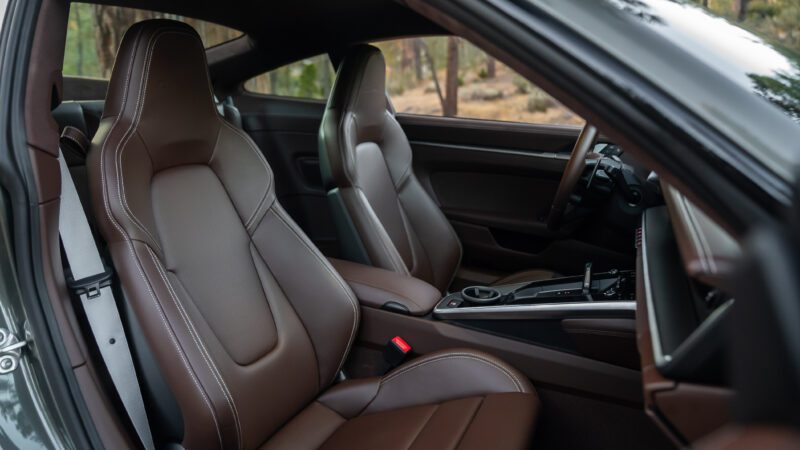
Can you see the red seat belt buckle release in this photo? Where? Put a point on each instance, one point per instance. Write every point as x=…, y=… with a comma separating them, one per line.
x=396, y=351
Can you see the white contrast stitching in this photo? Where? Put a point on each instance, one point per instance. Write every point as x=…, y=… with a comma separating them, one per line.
x=129, y=243
x=517, y=383
x=141, y=97
x=252, y=219
x=334, y=275
x=383, y=235
x=174, y=340
x=187, y=320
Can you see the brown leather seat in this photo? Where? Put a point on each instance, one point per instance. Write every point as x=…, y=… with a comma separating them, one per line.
x=248, y=322
x=385, y=217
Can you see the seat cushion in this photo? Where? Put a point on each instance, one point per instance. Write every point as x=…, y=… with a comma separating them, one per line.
x=496, y=421
x=445, y=400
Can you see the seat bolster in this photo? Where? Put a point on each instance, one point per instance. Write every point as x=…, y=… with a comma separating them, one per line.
x=504, y=421
x=309, y=429
x=434, y=378
x=351, y=397
x=445, y=399
x=446, y=375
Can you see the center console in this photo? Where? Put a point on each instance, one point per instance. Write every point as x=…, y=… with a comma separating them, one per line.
x=591, y=315
x=606, y=294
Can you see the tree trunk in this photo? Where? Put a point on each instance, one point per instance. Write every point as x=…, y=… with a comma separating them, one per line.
x=406, y=54
x=417, y=48
x=434, y=75
x=491, y=69
x=112, y=22
x=273, y=82
x=105, y=38
x=79, y=25
x=742, y=12
x=450, y=107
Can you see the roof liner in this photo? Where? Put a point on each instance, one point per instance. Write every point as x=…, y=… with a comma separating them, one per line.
x=285, y=31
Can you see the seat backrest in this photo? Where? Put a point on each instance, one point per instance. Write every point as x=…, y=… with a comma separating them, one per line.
x=247, y=320
x=366, y=165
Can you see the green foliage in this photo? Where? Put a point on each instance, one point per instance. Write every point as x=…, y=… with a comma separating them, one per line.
x=539, y=101
x=80, y=56
x=777, y=21
x=84, y=52
x=523, y=86
x=396, y=89
x=782, y=90
x=485, y=94
x=763, y=11
x=307, y=83
x=483, y=73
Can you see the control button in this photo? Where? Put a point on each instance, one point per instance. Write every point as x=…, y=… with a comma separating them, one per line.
x=453, y=303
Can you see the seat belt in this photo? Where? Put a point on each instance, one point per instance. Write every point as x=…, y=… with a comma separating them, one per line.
x=91, y=282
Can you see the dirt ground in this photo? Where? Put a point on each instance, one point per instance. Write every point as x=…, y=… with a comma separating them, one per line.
x=511, y=106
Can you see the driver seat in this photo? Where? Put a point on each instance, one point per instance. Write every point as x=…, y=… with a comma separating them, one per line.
x=384, y=217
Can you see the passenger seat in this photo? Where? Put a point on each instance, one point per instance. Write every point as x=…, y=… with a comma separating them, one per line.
x=249, y=323
x=385, y=218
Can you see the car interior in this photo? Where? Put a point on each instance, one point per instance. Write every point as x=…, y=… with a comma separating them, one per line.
x=337, y=273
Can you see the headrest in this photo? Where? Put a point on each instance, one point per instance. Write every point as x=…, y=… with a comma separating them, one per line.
x=360, y=89
x=160, y=85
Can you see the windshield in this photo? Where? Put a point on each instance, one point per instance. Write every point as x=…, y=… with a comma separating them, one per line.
x=737, y=69
x=756, y=44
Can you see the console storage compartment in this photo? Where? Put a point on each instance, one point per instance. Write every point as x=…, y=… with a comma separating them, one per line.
x=384, y=289
x=589, y=315
x=607, y=294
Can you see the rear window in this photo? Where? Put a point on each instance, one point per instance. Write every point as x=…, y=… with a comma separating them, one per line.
x=95, y=31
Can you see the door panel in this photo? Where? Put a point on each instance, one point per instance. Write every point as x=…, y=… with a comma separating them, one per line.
x=495, y=182
x=285, y=129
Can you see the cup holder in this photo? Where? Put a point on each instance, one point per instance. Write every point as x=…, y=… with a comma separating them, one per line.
x=480, y=295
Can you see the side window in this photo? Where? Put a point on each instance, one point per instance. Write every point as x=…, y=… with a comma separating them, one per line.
x=310, y=78
x=95, y=32
x=448, y=76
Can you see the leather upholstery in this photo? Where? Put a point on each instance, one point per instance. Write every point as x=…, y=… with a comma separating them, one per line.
x=365, y=160
x=187, y=206
x=379, y=288
x=453, y=399
x=366, y=156
x=247, y=321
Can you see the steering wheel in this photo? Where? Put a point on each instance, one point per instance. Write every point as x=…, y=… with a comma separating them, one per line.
x=572, y=173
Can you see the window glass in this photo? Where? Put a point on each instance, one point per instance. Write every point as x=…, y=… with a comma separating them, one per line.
x=777, y=21
x=448, y=76
x=95, y=32
x=310, y=78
